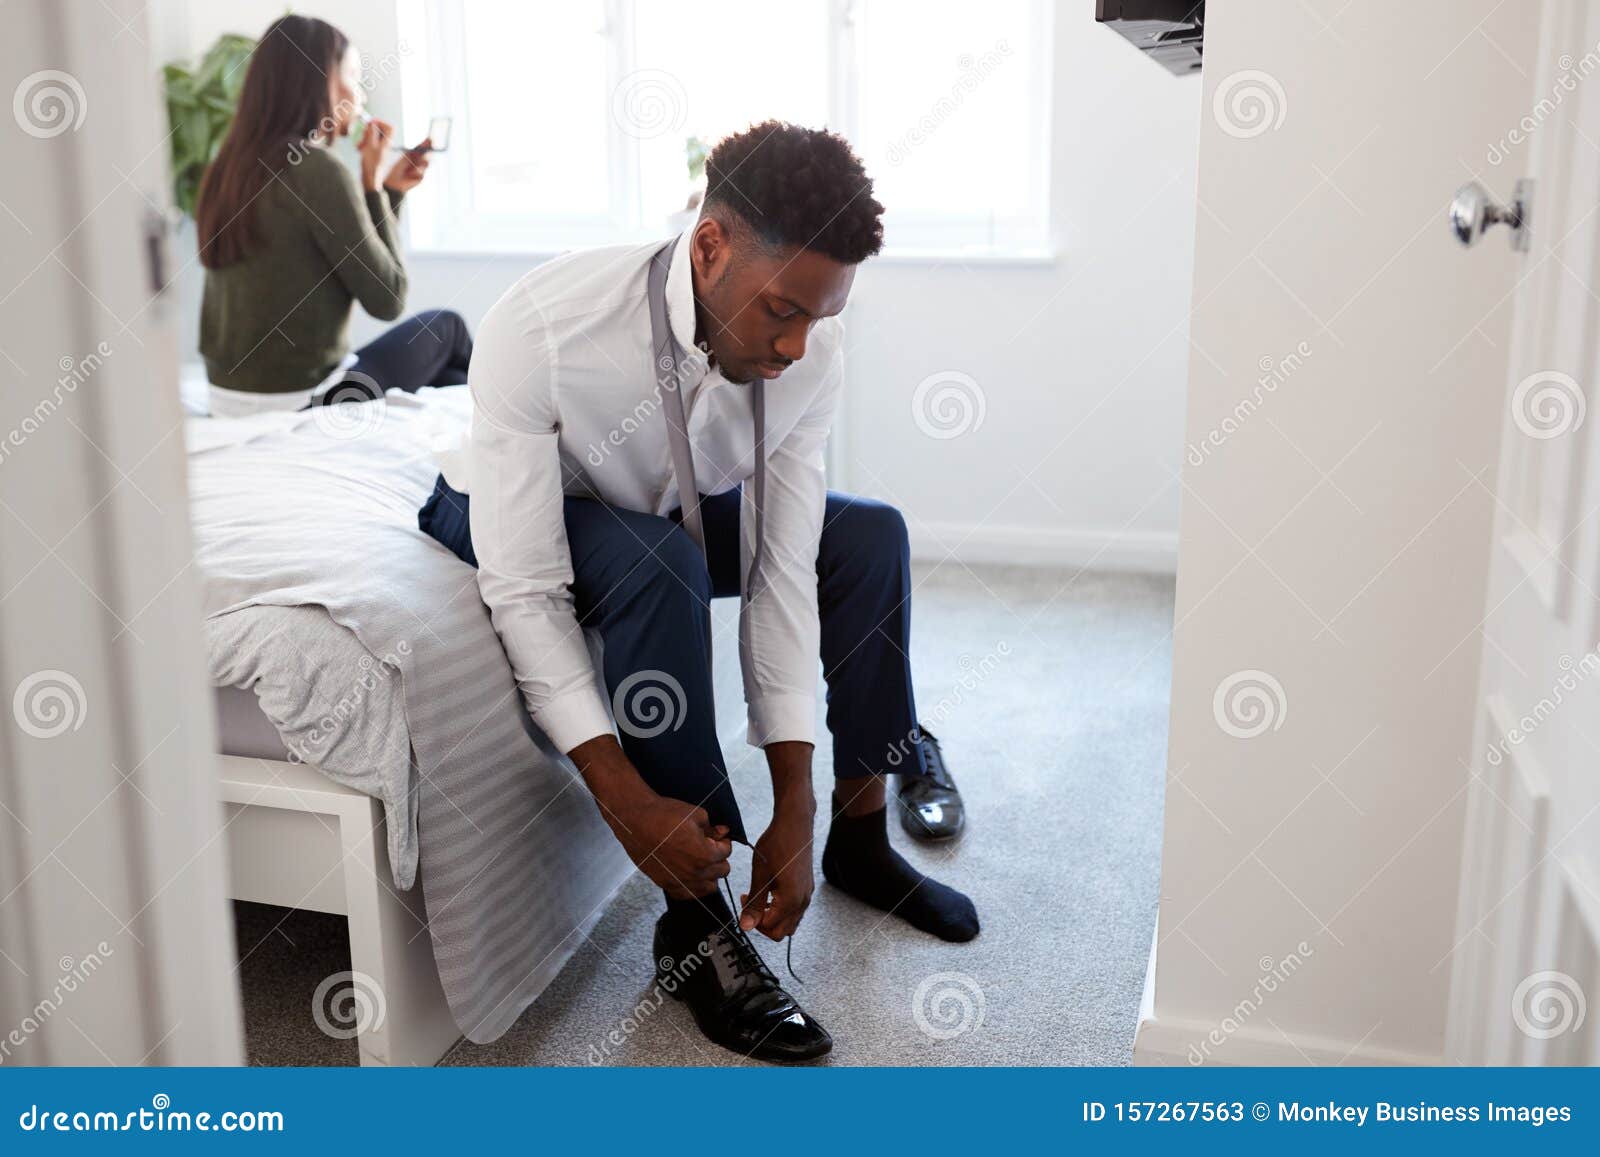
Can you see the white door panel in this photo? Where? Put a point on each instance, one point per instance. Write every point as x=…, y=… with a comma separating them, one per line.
x=1525, y=968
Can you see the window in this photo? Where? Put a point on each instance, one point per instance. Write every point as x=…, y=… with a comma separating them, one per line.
x=585, y=122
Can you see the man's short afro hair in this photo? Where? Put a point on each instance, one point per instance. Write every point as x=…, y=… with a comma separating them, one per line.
x=797, y=188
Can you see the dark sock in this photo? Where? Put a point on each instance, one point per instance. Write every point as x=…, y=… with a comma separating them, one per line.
x=699, y=916
x=858, y=860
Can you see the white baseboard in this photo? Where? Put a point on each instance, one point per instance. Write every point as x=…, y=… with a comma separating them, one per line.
x=1166, y=1041
x=1147, y=551
x=1162, y=1041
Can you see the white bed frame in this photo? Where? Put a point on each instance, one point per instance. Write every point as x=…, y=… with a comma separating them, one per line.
x=298, y=840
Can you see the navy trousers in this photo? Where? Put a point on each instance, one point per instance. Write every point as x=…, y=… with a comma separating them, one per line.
x=431, y=348
x=641, y=581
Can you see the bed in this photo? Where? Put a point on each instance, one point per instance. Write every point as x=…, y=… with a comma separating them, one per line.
x=376, y=759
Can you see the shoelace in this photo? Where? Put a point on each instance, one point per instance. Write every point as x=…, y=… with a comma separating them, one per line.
x=744, y=951
x=933, y=757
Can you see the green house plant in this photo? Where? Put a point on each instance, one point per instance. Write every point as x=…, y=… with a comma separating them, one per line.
x=200, y=107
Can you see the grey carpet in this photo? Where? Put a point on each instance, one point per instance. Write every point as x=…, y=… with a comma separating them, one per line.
x=1048, y=690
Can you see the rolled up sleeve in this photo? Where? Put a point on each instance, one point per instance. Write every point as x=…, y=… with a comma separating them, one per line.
x=780, y=632
x=518, y=527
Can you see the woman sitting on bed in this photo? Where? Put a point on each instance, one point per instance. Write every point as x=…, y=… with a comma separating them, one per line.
x=289, y=240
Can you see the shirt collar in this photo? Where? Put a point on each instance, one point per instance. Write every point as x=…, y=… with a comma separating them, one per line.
x=680, y=294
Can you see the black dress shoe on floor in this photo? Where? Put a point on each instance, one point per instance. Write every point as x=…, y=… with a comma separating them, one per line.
x=930, y=805
x=735, y=998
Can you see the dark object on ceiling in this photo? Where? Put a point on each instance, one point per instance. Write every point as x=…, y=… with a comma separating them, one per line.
x=1167, y=31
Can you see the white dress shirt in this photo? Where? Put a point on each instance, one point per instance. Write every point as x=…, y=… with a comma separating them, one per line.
x=566, y=402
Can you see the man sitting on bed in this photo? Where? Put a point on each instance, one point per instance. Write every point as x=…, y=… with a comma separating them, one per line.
x=576, y=520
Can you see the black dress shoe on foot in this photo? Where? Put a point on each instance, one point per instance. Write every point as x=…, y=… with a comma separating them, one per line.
x=930, y=805
x=735, y=998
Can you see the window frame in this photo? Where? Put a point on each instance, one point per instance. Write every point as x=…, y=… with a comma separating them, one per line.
x=446, y=223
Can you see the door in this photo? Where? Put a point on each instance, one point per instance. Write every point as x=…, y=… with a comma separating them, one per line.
x=115, y=938
x=1343, y=427
x=1526, y=964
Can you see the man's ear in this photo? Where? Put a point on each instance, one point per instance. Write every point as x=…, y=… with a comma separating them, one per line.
x=710, y=248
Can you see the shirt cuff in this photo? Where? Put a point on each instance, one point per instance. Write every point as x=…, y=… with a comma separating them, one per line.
x=783, y=719
x=573, y=718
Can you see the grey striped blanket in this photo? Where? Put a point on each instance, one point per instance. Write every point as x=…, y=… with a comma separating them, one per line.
x=319, y=509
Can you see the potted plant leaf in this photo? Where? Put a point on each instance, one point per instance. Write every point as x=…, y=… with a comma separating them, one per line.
x=200, y=106
x=695, y=152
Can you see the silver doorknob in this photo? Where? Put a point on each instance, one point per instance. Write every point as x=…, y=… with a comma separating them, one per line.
x=1473, y=211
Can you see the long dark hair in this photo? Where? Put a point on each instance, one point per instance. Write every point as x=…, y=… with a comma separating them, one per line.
x=284, y=101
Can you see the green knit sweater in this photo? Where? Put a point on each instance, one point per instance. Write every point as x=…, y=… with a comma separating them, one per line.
x=279, y=320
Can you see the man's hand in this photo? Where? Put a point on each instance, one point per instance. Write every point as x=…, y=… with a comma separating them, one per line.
x=672, y=842
x=781, y=877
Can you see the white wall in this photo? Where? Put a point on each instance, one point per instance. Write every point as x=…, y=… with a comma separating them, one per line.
x=1081, y=362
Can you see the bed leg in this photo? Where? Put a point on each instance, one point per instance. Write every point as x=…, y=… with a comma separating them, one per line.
x=407, y=1021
